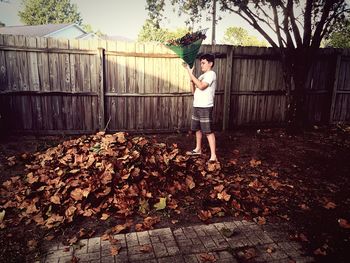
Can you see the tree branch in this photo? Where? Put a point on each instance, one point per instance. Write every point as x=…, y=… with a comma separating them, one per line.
x=290, y=42
x=296, y=31
x=275, y=18
x=263, y=20
x=331, y=21
x=316, y=39
x=307, y=23
x=251, y=21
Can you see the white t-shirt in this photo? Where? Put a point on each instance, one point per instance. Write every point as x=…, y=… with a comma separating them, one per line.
x=205, y=98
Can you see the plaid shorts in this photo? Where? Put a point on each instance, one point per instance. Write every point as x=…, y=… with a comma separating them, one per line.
x=202, y=119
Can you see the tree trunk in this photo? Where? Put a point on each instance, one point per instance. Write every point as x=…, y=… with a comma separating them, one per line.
x=296, y=68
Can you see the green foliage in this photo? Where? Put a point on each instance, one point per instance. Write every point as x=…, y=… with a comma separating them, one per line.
x=238, y=36
x=39, y=12
x=340, y=38
x=150, y=32
x=88, y=28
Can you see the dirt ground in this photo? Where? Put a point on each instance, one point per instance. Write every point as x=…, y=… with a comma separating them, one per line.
x=317, y=162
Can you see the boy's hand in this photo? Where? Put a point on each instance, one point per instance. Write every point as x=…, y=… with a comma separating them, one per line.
x=189, y=70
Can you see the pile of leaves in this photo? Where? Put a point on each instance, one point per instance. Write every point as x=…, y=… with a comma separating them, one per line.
x=187, y=39
x=115, y=175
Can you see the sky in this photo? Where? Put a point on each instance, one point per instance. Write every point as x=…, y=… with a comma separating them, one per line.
x=125, y=17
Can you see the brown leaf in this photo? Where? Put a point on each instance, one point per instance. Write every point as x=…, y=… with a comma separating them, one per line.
x=146, y=248
x=32, y=244
x=31, y=178
x=148, y=222
x=206, y=257
x=138, y=227
x=204, y=215
x=249, y=253
x=105, y=237
x=189, y=182
x=105, y=216
x=118, y=228
x=304, y=207
x=74, y=171
x=224, y=196
x=53, y=219
x=74, y=259
x=77, y=194
x=106, y=177
x=254, y=163
x=55, y=199
x=213, y=166
x=72, y=241
x=261, y=220
x=343, y=223
x=330, y=205
x=70, y=211
x=120, y=137
x=320, y=252
x=114, y=250
x=219, y=188
x=303, y=237
x=270, y=250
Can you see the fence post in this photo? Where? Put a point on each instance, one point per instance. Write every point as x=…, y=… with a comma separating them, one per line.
x=101, y=78
x=335, y=86
x=227, y=89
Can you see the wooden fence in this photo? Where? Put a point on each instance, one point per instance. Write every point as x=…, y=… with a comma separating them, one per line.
x=52, y=86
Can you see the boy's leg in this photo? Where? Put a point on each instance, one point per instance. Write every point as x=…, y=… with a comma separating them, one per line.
x=198, y=141
x=212, y=145
x=195, y=127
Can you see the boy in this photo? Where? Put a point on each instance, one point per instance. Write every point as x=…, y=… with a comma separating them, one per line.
x=203, y=90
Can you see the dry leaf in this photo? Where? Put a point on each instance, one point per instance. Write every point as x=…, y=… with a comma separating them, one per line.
x=146, y=248
x=190, y=183
x=55, y=199
x=270, y=250
x=343, y=223
x=118, y=228
x=219, y=188
x=161, y=204
x=330, y=205
x=114, y=250
x=320, y=252
x=261, y=220
x=206, y=257
x=105, y=216
x=303, y=237
x=77, y=194
x=204, y=215
x=224, y=196
x=254, y=163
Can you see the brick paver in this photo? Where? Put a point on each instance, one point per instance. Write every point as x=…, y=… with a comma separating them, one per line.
x=233, y=241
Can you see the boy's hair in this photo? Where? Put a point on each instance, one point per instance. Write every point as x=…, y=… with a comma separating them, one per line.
x=208, y=57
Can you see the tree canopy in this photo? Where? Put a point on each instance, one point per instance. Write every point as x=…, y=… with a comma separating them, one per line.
x=340, y=38
x=38, y=12
x=151, y=32
x=238, y=36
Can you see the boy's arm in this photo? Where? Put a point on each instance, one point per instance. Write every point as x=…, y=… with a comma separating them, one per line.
x=193, y=87
x=199, y=84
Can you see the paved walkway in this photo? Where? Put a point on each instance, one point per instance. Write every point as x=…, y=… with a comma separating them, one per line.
x=236, y=241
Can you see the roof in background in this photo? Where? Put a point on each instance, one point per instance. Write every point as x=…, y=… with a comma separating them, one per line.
x=37, y=30
x=116, y=38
